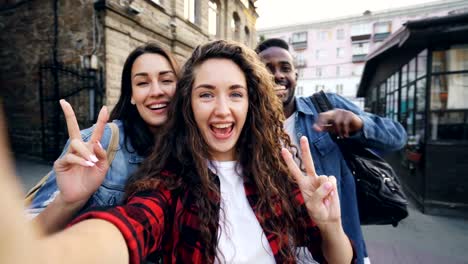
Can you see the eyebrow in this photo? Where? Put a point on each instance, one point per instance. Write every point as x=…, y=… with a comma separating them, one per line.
x=144, y=74
x=212, y=87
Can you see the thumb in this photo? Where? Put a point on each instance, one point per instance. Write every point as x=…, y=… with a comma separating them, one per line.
x=324, y=190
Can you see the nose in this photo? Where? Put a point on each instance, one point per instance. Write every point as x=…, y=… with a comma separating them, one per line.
x=279, y=76
x=222, y=107
x=155, y=89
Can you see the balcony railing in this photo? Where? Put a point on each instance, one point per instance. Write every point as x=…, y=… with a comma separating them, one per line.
x=299, y=45
x=359, y=57
x=381, y=36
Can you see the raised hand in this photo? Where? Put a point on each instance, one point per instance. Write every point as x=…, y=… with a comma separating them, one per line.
x=319, y=192
x=83, y=168
x=339, y=122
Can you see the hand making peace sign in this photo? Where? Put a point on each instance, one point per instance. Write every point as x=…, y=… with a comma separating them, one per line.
x=319, y=192
x=82, y=169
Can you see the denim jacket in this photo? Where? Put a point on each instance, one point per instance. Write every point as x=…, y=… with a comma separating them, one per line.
x=111, y=191
x=378, y=133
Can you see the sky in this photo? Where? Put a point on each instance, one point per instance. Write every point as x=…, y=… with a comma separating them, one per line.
x=273, y=13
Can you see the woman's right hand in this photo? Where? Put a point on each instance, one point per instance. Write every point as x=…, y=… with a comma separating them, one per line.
x=83, y=168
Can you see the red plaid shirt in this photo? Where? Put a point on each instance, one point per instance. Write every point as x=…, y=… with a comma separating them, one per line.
x=165, y=224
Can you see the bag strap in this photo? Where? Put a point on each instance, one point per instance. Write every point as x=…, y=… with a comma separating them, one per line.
x=113, y=143
x=30, y=195
x=111, y=151
x=321, y=102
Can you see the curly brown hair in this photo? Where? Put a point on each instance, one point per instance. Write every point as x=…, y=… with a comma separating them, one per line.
x=258, y=150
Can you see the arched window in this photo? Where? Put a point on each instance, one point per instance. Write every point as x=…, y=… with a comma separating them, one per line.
x=235, y=26
x=191, y=11
x=247, y=36
x=213, y=17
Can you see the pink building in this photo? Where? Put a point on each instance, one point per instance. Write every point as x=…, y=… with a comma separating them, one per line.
x=330, y=54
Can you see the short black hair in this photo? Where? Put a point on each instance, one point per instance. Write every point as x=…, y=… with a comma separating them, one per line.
x=273, y=42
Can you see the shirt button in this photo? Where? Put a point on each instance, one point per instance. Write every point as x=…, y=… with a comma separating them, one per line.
x=299, y=134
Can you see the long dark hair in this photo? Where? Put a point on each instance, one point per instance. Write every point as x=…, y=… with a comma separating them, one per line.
x=257, y=150
x=135, y=128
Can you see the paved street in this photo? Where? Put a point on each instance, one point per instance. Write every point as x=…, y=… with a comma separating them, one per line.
x=418, y=239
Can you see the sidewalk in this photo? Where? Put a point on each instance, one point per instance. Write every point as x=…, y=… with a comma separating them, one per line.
x=419, y=239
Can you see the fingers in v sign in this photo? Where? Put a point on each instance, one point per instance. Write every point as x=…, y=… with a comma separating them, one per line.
x=319, y=192
x=82, y=169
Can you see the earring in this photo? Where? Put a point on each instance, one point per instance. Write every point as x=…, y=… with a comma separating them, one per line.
x=132, y=101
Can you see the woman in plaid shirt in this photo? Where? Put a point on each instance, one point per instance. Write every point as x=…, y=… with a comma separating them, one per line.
x=220, y=186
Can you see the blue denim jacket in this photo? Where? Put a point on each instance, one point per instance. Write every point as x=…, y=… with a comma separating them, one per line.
x=111, y=191
x=378, y=133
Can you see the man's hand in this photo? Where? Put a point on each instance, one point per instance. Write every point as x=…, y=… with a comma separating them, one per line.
x=340, y=122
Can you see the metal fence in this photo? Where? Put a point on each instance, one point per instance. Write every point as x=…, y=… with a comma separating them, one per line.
x=82, y=88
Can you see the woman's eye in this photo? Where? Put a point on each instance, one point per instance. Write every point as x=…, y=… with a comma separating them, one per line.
x=240, y=95
x=206, y=95
x=141, y=83
x=168, y=81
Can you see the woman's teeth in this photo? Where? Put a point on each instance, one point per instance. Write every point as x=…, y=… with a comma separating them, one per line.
x=157, y=106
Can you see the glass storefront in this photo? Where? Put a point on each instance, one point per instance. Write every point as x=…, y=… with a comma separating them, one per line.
x=402, y=96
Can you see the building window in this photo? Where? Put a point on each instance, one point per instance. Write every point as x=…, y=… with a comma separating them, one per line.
x=361, y=29
x=299, y=90
x=300, y=73
x=340, y=34
x=318, y=71
x=235, y=26
x=320, y=54
x=382, y=27
x=247, y=36
x=190, y=11
x=322, y=35
x=213, y=18
x=299, y=60
x=339, y=89
x=299, y=37
x=422, y=62
x=360, y=48
x=319, y=87
x=340, y=52
x=338, y=70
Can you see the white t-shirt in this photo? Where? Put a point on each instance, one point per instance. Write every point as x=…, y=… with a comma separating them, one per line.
x=289, y=127
x=242, y=239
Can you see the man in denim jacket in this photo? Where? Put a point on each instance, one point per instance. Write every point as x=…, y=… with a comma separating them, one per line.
x=346, y=120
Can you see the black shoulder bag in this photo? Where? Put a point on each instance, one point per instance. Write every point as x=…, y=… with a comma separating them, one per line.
x=381, y=200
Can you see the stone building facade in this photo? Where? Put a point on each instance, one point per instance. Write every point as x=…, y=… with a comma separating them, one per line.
x=93, y=38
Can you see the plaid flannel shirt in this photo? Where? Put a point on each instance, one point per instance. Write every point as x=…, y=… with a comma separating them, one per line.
x=164, y=224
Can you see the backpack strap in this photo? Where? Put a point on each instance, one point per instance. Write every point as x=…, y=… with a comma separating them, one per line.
x=321, y=102
x=113, y=143
x=111, y=151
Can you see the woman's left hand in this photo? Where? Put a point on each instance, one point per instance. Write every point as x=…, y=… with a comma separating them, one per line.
x=319, y=192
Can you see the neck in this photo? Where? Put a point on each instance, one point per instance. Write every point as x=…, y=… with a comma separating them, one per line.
x=154, y=130
x=289, y=108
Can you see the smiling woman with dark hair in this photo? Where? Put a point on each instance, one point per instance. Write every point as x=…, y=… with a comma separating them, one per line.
x=149, y=78
x=220, y=186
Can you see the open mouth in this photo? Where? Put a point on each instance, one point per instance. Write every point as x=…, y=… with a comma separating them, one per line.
x=281, y=90
x=222, y=131
x=155, y=107
x=280, y=87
